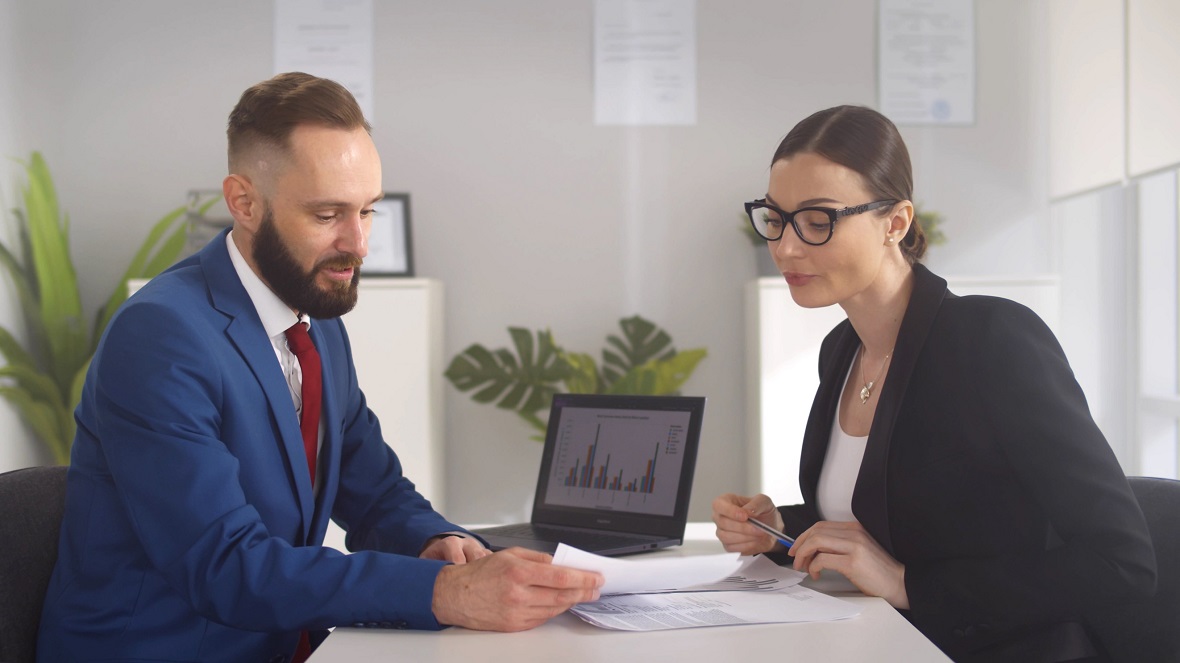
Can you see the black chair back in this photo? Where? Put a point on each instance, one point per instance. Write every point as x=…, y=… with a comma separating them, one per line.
x=32, y=501
x=1149, y=632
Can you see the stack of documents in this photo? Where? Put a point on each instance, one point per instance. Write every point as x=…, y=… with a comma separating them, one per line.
x=660, y=593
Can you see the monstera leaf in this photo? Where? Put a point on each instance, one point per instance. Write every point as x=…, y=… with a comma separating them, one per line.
x=642, y=342
x=523, y=379
x=523, y=382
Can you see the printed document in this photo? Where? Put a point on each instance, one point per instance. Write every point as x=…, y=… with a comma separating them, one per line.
x=658, y=593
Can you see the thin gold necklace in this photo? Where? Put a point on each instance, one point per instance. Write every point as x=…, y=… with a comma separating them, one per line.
x=866, y=392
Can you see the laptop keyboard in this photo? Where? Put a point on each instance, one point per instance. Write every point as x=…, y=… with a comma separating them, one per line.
x=583, y=539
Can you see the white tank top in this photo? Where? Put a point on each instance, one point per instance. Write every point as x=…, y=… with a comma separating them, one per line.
x=840, y=469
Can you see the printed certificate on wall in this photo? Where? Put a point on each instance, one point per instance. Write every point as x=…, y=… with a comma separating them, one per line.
x=390, y=252
x=926, y=61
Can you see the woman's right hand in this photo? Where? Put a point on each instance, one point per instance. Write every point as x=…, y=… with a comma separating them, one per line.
x=731, y=513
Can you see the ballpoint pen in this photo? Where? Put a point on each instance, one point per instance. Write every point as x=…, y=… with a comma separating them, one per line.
x=782, y=538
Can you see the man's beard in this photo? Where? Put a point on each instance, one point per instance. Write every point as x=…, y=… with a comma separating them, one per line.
x=297, y=288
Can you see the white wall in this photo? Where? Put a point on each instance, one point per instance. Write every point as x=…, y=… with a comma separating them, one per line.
x=18, y=448
x=530, y=214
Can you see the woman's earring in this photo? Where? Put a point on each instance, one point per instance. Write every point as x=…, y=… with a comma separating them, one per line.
x=890, y=240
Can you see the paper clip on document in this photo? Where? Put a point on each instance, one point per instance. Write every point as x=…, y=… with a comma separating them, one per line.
x=782, y=538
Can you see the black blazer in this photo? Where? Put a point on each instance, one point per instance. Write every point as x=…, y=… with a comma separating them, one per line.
x=985, y=475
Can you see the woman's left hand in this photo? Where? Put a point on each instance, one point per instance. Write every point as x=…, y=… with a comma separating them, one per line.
x=850, y=551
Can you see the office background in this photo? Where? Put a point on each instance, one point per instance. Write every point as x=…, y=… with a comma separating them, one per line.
x=527, y=212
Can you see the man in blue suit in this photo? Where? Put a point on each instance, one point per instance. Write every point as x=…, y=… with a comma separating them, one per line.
x=196, y=506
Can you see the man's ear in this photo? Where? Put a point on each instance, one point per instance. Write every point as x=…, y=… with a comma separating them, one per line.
x=244, y=202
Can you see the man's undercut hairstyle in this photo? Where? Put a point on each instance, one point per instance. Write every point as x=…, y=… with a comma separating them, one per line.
x=270, y=111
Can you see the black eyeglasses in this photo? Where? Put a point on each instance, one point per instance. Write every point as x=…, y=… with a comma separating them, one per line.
x=813, y=225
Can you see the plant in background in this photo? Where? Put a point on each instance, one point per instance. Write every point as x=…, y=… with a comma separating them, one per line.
x=641, y=361
x=930, y=222
x=44, y=380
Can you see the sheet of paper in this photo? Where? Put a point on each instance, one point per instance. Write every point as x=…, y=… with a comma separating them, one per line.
x=926, y=61
x=651, y=574
x=645, y=62
x=756, y=574
x=656, y=612
x=328, y=38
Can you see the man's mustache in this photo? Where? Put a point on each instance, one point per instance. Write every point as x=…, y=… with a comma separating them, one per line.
x=340, y=263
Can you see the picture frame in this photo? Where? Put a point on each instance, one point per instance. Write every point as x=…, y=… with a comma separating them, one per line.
x=390, y=249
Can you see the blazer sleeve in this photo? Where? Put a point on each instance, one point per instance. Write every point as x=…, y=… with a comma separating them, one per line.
x=158, y=400
x=1098, y=550
x=377, y=504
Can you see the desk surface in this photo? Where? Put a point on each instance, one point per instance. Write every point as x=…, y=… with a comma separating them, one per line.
x=879, y=633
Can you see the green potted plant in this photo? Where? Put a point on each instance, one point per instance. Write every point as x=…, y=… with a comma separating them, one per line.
x=43, y=379
x=523, y=380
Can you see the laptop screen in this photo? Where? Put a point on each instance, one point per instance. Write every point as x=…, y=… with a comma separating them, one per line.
x=619, y=462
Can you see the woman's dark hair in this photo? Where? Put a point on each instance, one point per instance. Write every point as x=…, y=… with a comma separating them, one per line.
x=863, y=140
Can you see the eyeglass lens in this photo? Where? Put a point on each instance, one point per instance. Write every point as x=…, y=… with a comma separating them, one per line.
x=814, y=226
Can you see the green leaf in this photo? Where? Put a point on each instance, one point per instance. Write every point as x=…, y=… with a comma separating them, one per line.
x=36, y=384
x=524, y=381
x=524, y=378
x=639, y=380
x=44, y=377
x=57, y=283
x=143, y=265
x=136, y=267
x=42, y=418
x=659, y=376
x=642, y=341
x=583, y=377
x=13, y=353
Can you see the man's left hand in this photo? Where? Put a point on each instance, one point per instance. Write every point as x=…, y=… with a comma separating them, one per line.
x=454, y=549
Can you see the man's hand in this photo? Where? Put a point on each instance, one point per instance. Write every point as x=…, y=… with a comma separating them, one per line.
x=512, y=590
x=731, y=514
x=454, y=549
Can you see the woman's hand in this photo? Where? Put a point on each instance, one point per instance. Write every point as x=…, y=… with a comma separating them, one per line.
x=731, y=513
x=847, y=549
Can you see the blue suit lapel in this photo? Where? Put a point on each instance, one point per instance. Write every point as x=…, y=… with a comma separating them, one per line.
x=246, y=333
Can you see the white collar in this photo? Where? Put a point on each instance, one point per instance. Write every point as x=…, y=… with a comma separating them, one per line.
x=275, y=315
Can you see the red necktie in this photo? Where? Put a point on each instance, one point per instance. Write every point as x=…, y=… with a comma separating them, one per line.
x=309, y=422
x=309, y=363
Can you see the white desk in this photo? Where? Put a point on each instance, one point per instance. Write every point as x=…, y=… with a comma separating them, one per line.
x=878, y=634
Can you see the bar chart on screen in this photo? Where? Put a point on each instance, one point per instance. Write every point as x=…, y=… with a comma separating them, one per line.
x=628, y=461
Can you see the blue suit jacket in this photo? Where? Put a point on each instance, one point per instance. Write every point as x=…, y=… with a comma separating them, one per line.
x=191, y=532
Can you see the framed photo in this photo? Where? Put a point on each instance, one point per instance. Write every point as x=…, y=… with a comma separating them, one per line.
x=390, y=251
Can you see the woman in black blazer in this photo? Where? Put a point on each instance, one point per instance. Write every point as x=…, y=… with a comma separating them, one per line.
x=966, y=482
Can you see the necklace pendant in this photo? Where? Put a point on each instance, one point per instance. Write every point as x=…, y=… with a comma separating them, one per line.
x=865, y=392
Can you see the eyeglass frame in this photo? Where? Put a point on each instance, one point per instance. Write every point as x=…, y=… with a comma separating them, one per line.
x=833, y=216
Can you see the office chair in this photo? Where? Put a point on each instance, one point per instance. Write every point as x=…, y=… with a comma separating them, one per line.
x=32, y=501
x=1149, y=631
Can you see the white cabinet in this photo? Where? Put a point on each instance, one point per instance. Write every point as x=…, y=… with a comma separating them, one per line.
x=396, y=332
x=782, y=368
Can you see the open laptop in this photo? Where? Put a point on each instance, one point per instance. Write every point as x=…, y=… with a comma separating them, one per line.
x=616, y=475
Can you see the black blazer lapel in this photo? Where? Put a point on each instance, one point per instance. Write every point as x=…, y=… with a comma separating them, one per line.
x=870, y=498
x=835, y=357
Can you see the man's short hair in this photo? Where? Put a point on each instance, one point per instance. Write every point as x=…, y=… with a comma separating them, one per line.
x=269, y=112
